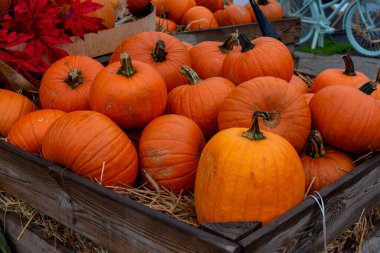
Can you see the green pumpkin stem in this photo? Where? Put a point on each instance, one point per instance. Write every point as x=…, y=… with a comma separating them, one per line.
x=229, y=43
x=126, y=67
x=159, y=53
x=245, y=43
x=349, y=66
x=190, y=74
x=262, y=2
x=370, y=86
x=74, y=78
x=315, y=147
x=254, y=133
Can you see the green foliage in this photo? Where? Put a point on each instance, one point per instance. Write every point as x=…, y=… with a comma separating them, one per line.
x=330, y=47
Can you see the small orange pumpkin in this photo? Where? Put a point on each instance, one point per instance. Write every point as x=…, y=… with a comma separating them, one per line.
x=270, y=8
x=12, y=107
x=212, y=5
x=165, y=25
x=199, y=17
x=299, y=84
x=27, y=133
x=233, y=15
x=170, y=147
x=174, y=10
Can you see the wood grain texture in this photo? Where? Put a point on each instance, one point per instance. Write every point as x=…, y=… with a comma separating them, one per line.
x=31, y=239
x=287, y=28
x=300, y=229
x=234, y=231
x=103, y=216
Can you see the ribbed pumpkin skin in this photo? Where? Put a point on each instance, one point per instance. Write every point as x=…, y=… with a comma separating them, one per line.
x=269, y=57
x=137, y=6
x=272, y=10
x=55, y=93
x=140, y=47
x=12, y=107
x=207, y=59
x=308, y=97
x=233, y=15
x=133, y=101
x=212, y=5
x=330, y=77
x=170, y=147
x=326, y=169
x=175, y=9
x=83, y=140
x=200, y=18
x=293, y=119
x=27, y=133
x=201, y=102
x=347, y=118
x=243, y=180
x=187, y=45
x=299, y=84
x=165, y=25
x=376, y=94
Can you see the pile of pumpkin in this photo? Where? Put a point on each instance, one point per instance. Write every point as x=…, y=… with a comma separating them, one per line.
x=174, y=15
x=228, y=120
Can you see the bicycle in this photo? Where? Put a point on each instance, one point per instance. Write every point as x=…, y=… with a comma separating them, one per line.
x=361, y=21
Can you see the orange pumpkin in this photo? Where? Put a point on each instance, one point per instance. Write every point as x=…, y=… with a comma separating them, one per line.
x=323, y=166
x=170, y=147
x=289, y=113
x=27, y=133
x=308, y=97
x=347, y=118
x=299, y=84
x=207, y=57
x=187, y=45
x=165, y=25
x=200, y=100
x=66, y=83
x=93, y=146
x=174, y=10
x=347, y=76
x=199, y=17
x=12, y=107
x=247, y=175
x=270, y=8
x=233, y=15
x=162, y=51
x=212, y=5
x=130, y=93
x=137, y=6
x=264, y=56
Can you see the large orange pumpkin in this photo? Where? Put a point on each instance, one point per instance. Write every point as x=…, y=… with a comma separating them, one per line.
x=264, y=56
x=130, y=93
x=207, y=57
x=27, y=133
x=233, y=15
x=347, y=118
x=323, y=166
x=12, y=107
x=170, y=147
x=200, y=100
x=289, y=113
x=174, y=10
x=333, y=76
x=199, y=17
x=93, y=146
x=248, y=175
x=66, y=83
x=299, y=84
x=164, y=52
x=270, y=8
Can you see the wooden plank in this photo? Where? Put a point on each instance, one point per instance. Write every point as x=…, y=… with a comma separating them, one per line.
x=300, y=230
x=32, y=237
x=234, y=231
x=287, y=28
x=103, y=216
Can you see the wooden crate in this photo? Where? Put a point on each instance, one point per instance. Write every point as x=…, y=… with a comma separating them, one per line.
x=119, y=223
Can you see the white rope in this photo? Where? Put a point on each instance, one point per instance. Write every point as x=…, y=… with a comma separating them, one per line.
x=322, y=207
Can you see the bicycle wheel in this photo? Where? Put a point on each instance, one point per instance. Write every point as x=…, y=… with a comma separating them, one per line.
x=363, y=27
x=308, y=15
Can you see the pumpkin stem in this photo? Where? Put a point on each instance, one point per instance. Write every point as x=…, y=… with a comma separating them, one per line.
x=245, y=43
x=190, y=74
x=229, y=43
x=370, y=86
x=350, y=69
x=126, y=67
x=254, y=133
x=159, y=53
x=314, y=146
x=74, y=78
x=262, y=2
